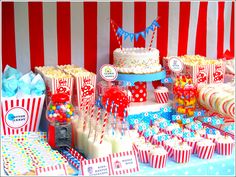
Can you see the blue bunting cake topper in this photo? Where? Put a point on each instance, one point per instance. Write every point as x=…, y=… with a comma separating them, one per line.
x=128, y=35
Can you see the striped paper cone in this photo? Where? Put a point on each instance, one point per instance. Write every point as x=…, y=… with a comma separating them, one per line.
x=169, y=150
x=182, y=156
x=224, y=148
x=143, y=156
x=193, y=144
x=161, y=95
x=205, y=152
x=158, y=161
x=21, y=115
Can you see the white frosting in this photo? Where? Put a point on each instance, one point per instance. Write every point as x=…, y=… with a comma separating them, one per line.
x=225, y=139
x=182, y=146
x=172, y=142
x=172, y=126
x=145, y=146
x=136, y=60
x=161, y=89
x=158, y=151
x=205, y=142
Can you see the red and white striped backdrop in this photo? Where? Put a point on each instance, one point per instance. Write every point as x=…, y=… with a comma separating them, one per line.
x=35, y=34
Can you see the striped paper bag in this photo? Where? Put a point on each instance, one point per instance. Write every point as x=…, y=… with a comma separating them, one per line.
x=217, y=72
x=21, y=115
x=199, y=73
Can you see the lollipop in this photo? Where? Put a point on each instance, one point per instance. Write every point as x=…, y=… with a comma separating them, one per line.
x=117, y=97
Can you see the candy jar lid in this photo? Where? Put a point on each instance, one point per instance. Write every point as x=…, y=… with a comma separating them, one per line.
x=60, y=110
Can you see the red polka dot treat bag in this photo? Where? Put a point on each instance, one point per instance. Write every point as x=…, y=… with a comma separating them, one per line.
x=139, y=92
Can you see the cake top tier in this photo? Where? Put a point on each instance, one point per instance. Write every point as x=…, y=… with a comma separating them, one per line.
x=136, y=51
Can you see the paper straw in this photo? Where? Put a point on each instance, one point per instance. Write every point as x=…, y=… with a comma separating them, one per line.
x=86, y=112
x=117, y=38
x=91, y=119
x=153, y=35
x=104, y=122
x=97, y=120
x=115, y=114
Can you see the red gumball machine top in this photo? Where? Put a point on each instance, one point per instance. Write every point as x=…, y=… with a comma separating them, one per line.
x=118, y=97
x=60, y=110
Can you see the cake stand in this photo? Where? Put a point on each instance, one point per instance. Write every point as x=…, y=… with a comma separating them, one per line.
x=132, y=78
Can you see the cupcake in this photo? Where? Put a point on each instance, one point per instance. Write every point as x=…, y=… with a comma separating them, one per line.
x=192, y=141
x=169, y=144
x=215, y=136
x=158, y=157
x=205, y=149
x=156, y=139
x=161, y=95
x=224, y=145
x=182, y=152
x=202, y=132
x=144, y=152
x=172, y=126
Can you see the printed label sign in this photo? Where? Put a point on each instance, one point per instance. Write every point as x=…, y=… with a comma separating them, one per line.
x=124, y=162
x=108, y=72
x=57, y=170
x=175, y=64
x=17, y=117
x=96, y=167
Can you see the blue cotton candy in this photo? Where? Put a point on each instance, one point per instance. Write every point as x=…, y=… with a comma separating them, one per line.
x=9, y=86
x=9, y=72
x=24, y=87
x=38, y=85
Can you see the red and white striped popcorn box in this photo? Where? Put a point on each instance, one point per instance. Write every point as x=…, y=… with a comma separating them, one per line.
x=216, y=72
x=161, y=95
x=169, y=150
x=143, y=155
x=205, y=152
x=21, y=115
x=84, y=89
x=139, y=92
x=57, y=170
x=158, y=161
x=182, y=156
x=193, y=144
x=224, y=148
x=199, y=73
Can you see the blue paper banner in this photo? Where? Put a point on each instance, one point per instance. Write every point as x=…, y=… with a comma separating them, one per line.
x=162, y=138
x=217, y=121
x=188, y=134
x=229, y=128
x=210, y=131
x=164, y=124
x=187, y=120
x=177, y=117
x=165, y=109
x=196, y=126
x=128, y=35
x=176, y=131
x=167, y=80
x=199, y=113
x=207, y=119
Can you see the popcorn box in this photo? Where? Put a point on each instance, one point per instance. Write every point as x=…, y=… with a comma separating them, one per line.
x=21, y=115
x=199, y=73
x=56, y=81
x=84, y=89
x=217, y=72
x=165, y=62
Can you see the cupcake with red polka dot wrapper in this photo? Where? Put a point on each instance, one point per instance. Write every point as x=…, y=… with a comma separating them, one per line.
x=205, y=149
x=224, y=145
x=158, y=157
x=182, y=152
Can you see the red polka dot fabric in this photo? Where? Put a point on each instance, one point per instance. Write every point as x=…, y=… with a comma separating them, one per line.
x=139, y=92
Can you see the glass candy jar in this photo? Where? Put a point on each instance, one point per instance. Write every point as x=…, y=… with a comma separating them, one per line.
x=60, y=113
x=185, y=95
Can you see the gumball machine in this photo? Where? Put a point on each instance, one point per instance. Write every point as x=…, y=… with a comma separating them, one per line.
x=60, y=113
